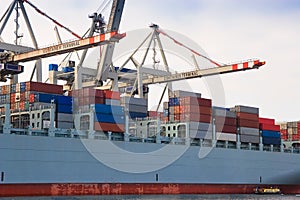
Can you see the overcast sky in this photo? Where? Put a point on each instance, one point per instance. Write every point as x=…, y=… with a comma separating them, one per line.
x=228, y=31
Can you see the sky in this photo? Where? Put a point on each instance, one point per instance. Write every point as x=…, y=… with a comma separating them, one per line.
x=228, y=31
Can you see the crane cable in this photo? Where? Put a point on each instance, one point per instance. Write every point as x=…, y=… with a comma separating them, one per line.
x=53, y=20
x=103, y=6
x=190, y=49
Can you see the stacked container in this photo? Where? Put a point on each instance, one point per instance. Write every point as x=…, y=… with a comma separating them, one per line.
x=293, y=130
x=135, y=107
x=225, y=124
x=283, y=130
x=270, y=132
x=247, y=123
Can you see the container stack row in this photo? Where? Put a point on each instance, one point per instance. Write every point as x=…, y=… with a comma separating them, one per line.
x=269, y=131
x=20, y=95
x=225, y=124
x=108, y=112
x=247, y=123
x=135, y=107
x=290, y=131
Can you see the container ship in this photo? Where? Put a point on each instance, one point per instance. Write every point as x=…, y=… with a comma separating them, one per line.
x=85, y=139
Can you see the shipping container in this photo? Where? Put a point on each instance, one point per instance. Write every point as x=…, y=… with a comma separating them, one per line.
x=134, y=115
x=205, y=102
x=269, y=127
x=64, y=117
x=62, y=108
x=108, y=109
x=113, y=102
x=275, y=134
x=226, y=136
x=181, y=93
x=53, y=67
x=247, y=116
x=249, y=131
x=245, y=109
x=136, y=108
x=42, y=97
x=189, y=100
x=266, y=121
x=223, y=112
x=247, y=123
x=225, y=120
x=174, y=101
x=109, y=118
x=195, y=117
x=271, y=140
x=136, y=101
x=44, y=88
x=226, y=129
x=101, y=126
x=64, y=100
x=249, y=139
x=292, y=124
x=108, y=94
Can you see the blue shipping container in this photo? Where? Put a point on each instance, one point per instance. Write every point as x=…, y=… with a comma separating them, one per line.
x=53, y=67
x=134, y=115
x=271, y=140
x=61, y=108
x=266, y=133
x=109, y=109
x=67, y=100
x=45, y=98
x=109, y=118
x=174, y=101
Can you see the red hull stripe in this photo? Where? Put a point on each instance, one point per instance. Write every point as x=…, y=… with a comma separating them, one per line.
x=71, y=189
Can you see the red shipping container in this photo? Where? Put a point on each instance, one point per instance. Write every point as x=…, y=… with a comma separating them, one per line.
x=101, y=126
x=44, y=88
x=266, y=121
x=283, y=131
x=247, y=116
x=153, y=114
x=226, y=129
x=247, y=123
x=204, y=102
x=12, y=98
x=225, y=120
x=31, y=98
x=295, y=137
x=269, y=127
x=108, y=94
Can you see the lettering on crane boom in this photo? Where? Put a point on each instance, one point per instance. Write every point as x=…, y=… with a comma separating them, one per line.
x=182, y=75
x=61, y=46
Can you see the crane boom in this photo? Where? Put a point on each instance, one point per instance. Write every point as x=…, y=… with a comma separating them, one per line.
x=66, y=47
x=255, y=64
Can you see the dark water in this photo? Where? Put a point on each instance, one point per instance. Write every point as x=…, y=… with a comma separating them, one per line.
x=159, y=197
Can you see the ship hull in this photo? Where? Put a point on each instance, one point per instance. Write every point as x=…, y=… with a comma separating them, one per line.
x=74, y=189
x=36, y=165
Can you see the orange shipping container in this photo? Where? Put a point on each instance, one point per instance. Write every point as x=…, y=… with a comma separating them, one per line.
x=247, y=116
